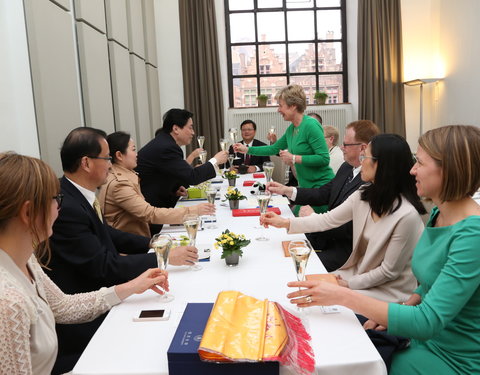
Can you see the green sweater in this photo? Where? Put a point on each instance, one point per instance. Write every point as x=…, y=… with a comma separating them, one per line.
x=445, y=327
x=307, y=140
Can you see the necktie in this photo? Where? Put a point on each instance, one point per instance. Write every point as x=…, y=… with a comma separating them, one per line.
x=96, y=207
x=247, y=158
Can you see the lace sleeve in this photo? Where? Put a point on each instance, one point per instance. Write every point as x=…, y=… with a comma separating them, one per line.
x=14, y=334
x=75, y=308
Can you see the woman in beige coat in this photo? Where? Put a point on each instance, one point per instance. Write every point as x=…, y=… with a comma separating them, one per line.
x=123, y=205
x=386, y=223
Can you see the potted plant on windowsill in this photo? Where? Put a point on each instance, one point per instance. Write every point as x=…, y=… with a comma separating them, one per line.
x=320, y=97
x=262, y=100
x=231, y=245
x=234, y=196
x=231, y=176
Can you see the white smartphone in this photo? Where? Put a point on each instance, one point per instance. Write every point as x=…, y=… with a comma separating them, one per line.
x=151, y=315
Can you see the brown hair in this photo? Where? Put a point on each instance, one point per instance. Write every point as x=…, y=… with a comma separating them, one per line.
x=364, y=130
x=456, y=150
x=293, y=95
x=22, y=179
x=331, y=131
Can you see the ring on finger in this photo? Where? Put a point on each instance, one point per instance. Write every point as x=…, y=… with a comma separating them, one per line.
x=309, y=299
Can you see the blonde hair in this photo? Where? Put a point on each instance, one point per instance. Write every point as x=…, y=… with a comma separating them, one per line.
x=22, y=179
x=456, y=150
x=293, y=95
x=331, y=131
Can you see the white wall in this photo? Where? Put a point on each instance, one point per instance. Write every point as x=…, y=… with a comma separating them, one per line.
x=18, y=130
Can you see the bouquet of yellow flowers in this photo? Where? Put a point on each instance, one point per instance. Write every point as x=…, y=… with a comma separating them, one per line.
x=233, y=194
x=230, y=175
x=231, y=243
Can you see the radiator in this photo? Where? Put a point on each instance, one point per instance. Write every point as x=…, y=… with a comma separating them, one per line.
x=338, y=115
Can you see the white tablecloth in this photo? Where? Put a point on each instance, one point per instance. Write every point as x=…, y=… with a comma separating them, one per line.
x=121, y=346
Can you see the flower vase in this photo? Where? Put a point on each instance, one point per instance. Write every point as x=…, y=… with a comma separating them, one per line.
x=234, y=204
x=232, y=260
x=231, y=181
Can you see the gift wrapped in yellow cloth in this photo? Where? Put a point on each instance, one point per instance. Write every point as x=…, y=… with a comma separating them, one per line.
x=244, y=329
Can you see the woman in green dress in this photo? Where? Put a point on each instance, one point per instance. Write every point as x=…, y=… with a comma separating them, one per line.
x=303, y=144
x=442, y=315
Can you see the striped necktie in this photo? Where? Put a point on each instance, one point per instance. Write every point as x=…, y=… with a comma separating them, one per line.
x=98, y=211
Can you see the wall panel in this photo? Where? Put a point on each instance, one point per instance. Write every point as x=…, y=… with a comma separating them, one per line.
x=140, y=100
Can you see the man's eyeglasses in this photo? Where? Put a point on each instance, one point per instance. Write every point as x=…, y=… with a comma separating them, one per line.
x=363, y=157
x=247, y=130
x=109, y=158
x=59, y=199
x=351, y=144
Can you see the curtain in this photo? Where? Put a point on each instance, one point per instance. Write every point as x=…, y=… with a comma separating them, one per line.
x=201, y=71
x=380, y=65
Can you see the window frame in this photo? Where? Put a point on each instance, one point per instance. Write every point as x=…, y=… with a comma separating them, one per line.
x=287, y=74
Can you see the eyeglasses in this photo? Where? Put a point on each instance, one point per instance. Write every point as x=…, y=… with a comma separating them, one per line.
x=59, y=199
x=351, y=144
x=247, y=130
x=109, y=158
x=363, y=157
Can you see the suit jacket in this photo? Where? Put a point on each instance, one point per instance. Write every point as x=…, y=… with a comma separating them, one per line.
x=336, y=244
x=383, y=270
x=162, y=170
x=85, y=257
x=254, y=159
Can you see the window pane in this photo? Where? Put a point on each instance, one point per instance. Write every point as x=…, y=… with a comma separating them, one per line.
x=308, y=83
x=269, y=3
x=301, y=57
x=332, y=84
x=330, y=57
x=245, y=92
x=328, y=3
x=270, y=86
x=244, y=60
x=299, y=3
x=300, y=25
x=271, y=59
x=271, y=26
x=329, y=25
x=242, y=28
x=240, y=4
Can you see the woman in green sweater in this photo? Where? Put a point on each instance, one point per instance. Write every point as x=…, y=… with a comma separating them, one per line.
x=442, y=315
x=303, y=144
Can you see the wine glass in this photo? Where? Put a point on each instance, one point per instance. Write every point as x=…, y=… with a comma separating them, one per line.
x=233, y=137
x=271, y=131
x=203, y=157
x=211, y=195
x=300, y=251
x=161, y=244
x=224, y=147
x=287, y=172
x=201, y=140
x=263, y=198
x=191, y=222
x=231, y=157
x=268, y=167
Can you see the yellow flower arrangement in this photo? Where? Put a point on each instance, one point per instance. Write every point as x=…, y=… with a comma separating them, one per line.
x=233, y=194
x=230, y=175
x=231, y=243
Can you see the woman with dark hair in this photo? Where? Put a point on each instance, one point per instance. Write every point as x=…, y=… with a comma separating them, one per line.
x=123, y=205
x=30, y=302
x=386, y=222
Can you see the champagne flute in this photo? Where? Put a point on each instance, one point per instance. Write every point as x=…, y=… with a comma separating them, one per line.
x=271, y=131
x=211, y=195
x=201, y=140
x=161, y=244
x=231, y=157
x=300, y=251
x=268, y=167
x=191, y=222
x=233, y=137
x=224, y=147
x=263, y=198
x=203, y=157
x=287, y=172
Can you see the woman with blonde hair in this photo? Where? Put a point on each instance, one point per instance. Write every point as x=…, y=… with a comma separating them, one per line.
x=442, y=315
x=30, y=303
x=303, y=144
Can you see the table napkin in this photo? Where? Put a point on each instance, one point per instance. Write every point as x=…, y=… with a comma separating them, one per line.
x=258, y=175
x=248, y=183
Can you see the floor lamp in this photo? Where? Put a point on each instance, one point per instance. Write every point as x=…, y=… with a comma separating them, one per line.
x=420, y=82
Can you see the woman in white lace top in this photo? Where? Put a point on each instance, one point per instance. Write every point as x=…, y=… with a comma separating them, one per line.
x=30, y=303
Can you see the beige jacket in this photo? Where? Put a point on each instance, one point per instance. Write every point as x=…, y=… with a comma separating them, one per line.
x=124, y=207
x=384, y=271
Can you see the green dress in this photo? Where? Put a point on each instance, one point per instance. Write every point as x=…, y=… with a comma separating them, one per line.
x=307, y=140
x=445, y=327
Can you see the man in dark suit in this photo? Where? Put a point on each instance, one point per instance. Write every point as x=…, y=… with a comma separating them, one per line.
x=87, y=254
x=335, y=244
x=164, y=173
x=254, y=163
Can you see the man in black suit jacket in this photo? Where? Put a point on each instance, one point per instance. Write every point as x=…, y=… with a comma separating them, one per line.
x=86, y=252
x=255, y=163
x=164, y=173
x=335, y=244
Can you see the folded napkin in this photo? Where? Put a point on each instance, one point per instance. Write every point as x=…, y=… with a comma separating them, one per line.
x=328, y=277
x=248, y=183
x=258, y=175
x=253, y=211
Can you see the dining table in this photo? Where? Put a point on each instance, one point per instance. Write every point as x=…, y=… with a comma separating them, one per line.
x=124, y=346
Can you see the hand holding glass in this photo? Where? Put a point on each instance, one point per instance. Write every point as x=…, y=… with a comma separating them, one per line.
x=268, y=167
x=300, y=251
x=161, y=244
x=191, y=222
x=211, y=195
x=263, y=198
x=201, y=140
